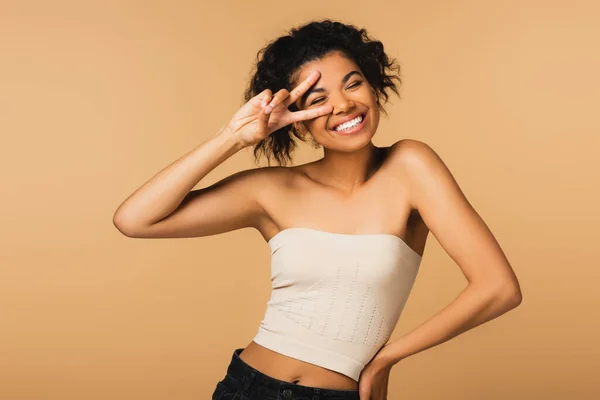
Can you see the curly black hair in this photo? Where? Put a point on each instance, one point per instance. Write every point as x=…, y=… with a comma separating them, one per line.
x=284, y=56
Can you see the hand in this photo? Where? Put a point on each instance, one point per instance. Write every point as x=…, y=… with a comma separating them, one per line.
x=253, y=121
x=373, y=380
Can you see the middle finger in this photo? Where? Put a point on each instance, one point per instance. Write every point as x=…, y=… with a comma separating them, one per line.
x=303, y=86
x=278, y=98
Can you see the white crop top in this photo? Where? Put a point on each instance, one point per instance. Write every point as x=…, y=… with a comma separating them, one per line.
x=336, y=298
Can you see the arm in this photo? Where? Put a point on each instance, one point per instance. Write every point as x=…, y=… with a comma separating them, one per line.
x=164, y=207
x=492, y=288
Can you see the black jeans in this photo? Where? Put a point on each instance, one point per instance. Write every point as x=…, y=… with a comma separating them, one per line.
x=242, y=382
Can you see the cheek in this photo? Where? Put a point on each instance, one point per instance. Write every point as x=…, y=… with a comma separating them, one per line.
x=317, y=123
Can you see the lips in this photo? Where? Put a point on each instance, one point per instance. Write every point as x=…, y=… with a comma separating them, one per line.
x=353, y=130
x=350, y=118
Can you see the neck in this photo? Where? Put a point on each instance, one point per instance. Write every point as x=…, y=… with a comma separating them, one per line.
x=348, y=171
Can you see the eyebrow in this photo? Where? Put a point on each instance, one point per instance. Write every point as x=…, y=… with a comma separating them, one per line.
x=313, y=90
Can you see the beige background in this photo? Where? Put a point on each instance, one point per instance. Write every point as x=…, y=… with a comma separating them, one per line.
x=97, y=97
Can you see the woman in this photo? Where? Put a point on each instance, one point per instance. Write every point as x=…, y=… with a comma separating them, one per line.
x=350, y=228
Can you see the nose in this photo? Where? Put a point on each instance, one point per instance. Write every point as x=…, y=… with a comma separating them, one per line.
x=342, y=105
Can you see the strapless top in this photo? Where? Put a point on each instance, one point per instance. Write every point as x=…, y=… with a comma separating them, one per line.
x=336, y=298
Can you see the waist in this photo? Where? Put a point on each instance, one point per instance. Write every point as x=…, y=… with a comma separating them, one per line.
x=289, y=369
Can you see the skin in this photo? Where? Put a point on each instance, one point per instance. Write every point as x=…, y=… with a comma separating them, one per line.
x=347, y=162
x=353, y=176
x=405, y=190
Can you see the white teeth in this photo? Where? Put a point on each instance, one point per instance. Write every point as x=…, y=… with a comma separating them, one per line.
x=349, y=124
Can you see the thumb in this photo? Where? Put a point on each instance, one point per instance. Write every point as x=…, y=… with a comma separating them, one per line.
x=364, y=395
x=365, y=392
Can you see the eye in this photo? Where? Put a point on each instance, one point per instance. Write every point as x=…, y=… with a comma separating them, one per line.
x=355, y=84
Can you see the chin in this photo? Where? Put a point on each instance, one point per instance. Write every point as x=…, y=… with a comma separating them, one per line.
x=347, y=145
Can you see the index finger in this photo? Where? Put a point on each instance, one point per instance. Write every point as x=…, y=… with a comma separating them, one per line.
x=312, y=113
x=303, y=87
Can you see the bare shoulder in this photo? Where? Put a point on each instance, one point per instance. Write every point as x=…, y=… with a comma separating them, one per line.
x=271, y=176
x=417, y=162
x=423, y=169
x=408, y=151
x=449, y=215
x=269, y=184
x=276, y=177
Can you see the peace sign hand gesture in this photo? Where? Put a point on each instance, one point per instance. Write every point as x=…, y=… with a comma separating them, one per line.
x=263, y=114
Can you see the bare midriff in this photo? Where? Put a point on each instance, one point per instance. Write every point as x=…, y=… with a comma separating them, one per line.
x=284, y=368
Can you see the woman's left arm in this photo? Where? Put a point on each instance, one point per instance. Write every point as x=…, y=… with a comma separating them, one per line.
x=493, y=288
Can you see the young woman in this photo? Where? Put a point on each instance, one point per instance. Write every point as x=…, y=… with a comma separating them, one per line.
x=346, y=232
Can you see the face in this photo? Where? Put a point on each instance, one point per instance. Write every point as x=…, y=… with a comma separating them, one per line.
x=343, y=86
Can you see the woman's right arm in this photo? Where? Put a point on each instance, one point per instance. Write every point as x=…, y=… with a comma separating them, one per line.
x=165, y=206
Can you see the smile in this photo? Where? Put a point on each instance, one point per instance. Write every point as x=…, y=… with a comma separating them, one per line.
x=352, y=130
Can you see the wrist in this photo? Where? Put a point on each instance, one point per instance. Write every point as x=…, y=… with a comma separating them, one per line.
x=229, y=138
x=385, y=358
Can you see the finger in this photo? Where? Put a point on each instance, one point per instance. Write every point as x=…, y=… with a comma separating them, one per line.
x=262, y=97
x=312, y=113
x=279, y=97
x=303, y=86
x=265, y=100
x=263, y=120
x=365, y=393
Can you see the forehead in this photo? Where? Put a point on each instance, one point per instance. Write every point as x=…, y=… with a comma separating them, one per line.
x=333, y=66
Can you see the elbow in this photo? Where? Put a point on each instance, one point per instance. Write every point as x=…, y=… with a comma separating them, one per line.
x=514, y=301
x=122, y=227
x=504, y=294
x=511, y=295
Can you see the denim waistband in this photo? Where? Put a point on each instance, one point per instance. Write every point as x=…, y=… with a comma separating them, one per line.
x=254, y=381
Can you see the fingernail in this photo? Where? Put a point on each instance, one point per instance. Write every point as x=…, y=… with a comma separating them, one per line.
x=268, y=110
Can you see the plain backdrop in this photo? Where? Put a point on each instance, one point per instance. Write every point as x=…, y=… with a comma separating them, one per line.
x=98, y=96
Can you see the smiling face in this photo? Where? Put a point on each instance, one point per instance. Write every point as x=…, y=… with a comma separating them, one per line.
x=343, y=86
